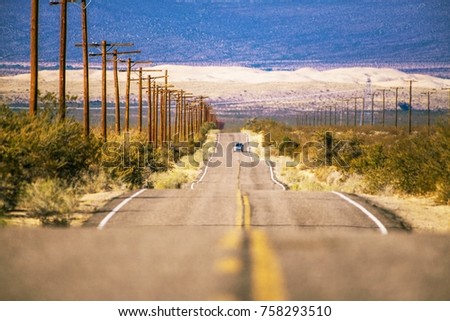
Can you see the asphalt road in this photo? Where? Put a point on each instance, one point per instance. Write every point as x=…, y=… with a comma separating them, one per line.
x=234, y=235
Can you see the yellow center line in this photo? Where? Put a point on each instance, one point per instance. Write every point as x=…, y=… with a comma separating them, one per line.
x=246, y=218
x=267, y=282
x=239, y=208
x=266, y=277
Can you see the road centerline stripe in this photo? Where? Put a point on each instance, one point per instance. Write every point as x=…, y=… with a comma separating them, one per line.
x=380, y=225
x=266, y=277
x=267, y=283
x=117, y=208
x=246, y=218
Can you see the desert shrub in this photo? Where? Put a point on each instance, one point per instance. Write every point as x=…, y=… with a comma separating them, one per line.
x=441, y=139
x=372, y=164
x=288, y=146
x=38, y=147
x=172, y=179
x=410, y=166
x=386, y=158
x=205, y=128
x=130, y=160
x=51, y=201
x=421, y=163
x=274, y=132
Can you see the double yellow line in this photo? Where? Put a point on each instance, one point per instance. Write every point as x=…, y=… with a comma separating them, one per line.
x=243, y=210
x=267, y=282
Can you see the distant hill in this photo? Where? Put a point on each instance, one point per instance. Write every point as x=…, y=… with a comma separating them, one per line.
x=264, y=34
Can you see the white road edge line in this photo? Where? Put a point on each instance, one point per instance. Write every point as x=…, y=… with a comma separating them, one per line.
x=380, y=225
x=272, y=176
x=117, y=208
x=206, y=167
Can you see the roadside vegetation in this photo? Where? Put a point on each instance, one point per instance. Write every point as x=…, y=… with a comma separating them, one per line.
x=47, y=165
x=373, y=160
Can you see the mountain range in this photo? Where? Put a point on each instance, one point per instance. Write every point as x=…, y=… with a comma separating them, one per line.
x=254, y=33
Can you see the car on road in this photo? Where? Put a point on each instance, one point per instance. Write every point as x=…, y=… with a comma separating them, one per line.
x=238, y=147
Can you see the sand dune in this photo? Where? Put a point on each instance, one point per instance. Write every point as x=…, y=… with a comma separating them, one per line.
x=239, y=84
x=379, y=76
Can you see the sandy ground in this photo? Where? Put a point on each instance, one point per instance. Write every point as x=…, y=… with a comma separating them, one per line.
x=233, y=86
x=91, y=203
x=421, y=213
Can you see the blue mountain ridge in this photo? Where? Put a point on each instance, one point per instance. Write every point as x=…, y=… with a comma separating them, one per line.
x=264, y=34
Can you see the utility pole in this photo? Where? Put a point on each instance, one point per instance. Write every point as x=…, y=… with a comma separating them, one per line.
x=149, y=112
x=104, y=118
x=448, y=89
x=155, y=113
x=183, y=115
x=347, y=111
x=85, y=66
x=330, y=112
x=177, y=114
x=373, y=103
x=396, y=104
x=105, y=51
x=116, y=92
x=164, y=108
x=34, y=62
x=335, y=114
x=115, y=61
x=127, y=96
x=410, y=104
x=152, y=115
x=428, y=93
x=127, y=91
x=140, y=80
x=62, y=58
x=362, y=110
x=140, y=101
x=384, y=104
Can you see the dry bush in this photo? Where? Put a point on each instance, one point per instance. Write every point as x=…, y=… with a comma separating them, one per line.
x=50, y=201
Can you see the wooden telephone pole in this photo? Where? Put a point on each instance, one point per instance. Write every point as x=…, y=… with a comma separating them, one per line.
x=62, y=58
x=384, y=106
x=140, y=80
x=34, y=64
x=410, y=105
x=115, y=61
x=106, y=48
x=355, y=112
x=429, y=93
x=85, y=66
x=396, y=104
x=84, y=45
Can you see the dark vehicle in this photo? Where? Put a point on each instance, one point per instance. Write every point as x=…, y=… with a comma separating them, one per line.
x=238, y=147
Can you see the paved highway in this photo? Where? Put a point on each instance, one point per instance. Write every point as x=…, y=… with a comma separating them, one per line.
x=235, y=234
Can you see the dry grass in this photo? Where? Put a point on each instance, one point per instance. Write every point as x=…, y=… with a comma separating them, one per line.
x=421, y=213
x=185, y=171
